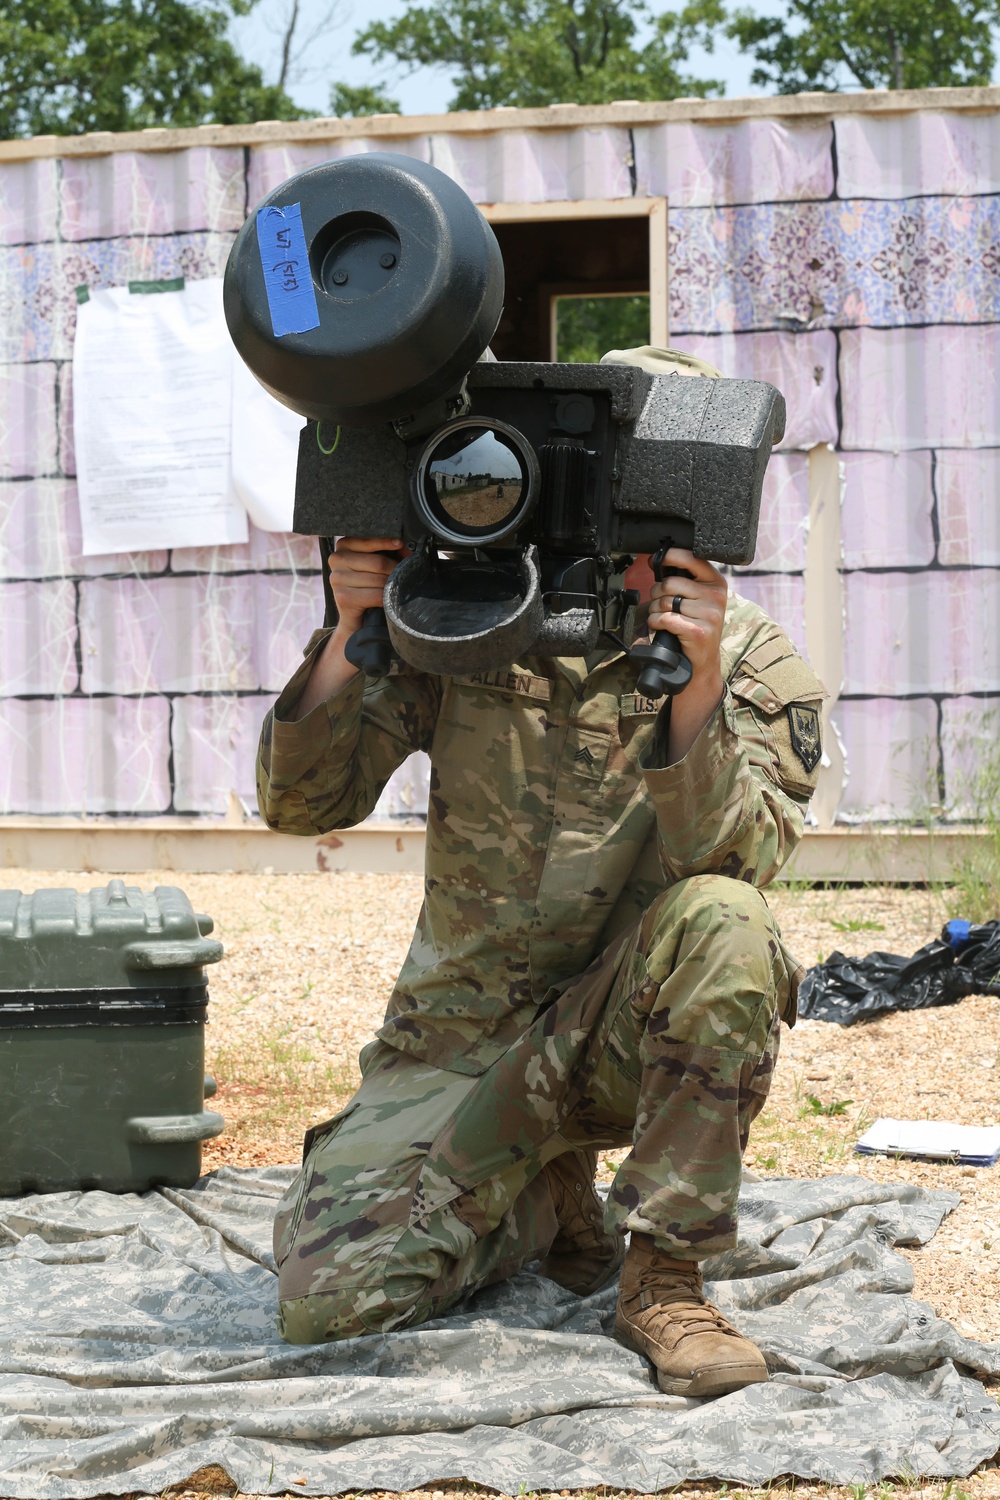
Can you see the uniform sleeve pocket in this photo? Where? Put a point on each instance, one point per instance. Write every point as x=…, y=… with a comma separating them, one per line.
x=785, y=698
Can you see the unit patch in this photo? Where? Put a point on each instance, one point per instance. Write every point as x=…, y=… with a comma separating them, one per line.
x=803, y=724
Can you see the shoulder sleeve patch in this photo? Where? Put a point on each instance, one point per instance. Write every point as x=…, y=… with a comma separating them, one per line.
x=803, y=730
x=785, y=697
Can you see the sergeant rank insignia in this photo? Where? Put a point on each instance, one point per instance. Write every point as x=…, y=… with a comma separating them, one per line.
x=803, y=723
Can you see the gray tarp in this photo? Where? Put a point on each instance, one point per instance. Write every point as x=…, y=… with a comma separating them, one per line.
x=137, y=1343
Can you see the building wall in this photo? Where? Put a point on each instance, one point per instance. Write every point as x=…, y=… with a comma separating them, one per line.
x=852, y=261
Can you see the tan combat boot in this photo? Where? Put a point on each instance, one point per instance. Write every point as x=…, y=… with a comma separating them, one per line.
x=664, y=1314
x=583, y=1256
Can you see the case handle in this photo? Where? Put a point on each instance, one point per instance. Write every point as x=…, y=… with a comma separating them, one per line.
x=173, y=1130
x=190, y=954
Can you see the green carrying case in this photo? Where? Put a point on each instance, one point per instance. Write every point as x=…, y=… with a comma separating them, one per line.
x=103, y=1004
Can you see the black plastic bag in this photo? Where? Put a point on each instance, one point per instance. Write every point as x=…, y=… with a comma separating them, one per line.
x=964, y=960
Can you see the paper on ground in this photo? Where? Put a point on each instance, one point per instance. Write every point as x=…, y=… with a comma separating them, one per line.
x=978, y=1145
x=265, y=452
x=152, y=414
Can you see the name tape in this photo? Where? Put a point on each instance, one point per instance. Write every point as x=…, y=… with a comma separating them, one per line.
x=284, y=260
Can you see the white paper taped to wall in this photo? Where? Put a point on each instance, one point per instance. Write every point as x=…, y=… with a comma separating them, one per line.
x=265, y=451
x=152, y=420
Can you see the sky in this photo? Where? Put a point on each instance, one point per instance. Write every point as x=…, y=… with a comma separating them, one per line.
x=328, y=57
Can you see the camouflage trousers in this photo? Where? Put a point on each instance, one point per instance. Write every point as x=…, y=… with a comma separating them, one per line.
x=429, y=1184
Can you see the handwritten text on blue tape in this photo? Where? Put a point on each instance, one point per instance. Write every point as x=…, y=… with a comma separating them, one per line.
x=291, y=296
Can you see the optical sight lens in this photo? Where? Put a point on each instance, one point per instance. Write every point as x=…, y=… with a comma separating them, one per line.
x=476, y=482
x=480, y=482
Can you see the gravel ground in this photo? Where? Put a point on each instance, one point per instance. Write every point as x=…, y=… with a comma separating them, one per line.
x=310, y=960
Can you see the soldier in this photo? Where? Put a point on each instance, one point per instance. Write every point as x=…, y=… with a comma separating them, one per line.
x=594, y=966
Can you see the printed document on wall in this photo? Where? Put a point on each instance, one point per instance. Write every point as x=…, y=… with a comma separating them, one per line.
x=265, y=452
x=152, y=403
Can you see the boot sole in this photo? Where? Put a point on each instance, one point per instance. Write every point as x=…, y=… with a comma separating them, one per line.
x=719, y=1380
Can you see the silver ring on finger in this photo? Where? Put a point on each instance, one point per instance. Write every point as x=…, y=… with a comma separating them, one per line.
x=675, y=608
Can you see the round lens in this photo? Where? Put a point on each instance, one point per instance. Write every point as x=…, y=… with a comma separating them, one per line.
x=474, y=479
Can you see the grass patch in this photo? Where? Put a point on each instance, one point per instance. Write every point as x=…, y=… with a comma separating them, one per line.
x=818, y=1141
x=974, y=891
x=272, y=1089
x=815, y=1106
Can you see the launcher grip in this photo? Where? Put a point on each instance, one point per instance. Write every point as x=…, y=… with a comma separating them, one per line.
x=665, y=668
x=370, y=649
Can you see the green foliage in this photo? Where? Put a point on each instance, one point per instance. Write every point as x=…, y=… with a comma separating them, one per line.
x=281, y=1075
x=587, y=327
x=975, y=889
x=872, y=44
x=350, y=102
x=814, y=1106
x=856, y=924
x=71, y=66
x=537, y=52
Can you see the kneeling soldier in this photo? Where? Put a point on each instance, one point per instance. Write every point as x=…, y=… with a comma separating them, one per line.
x=593, y=967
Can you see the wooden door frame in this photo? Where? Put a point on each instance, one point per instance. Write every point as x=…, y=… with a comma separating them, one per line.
x=653, y=209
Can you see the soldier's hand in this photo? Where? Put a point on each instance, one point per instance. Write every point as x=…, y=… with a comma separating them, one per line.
x=359, y=568
x=697, y=622
x=694, y=610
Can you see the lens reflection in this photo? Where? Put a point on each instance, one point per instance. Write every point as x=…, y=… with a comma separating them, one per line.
x=475, y=478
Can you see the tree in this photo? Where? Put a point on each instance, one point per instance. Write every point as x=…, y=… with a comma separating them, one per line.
x=872, y=44
x=587, y=327
x=348, y=100
x=77, y=65
x=300, y=28
x=536, y=52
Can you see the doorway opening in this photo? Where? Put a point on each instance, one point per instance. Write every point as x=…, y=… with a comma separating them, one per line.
x=581, y=277
x=584, y=326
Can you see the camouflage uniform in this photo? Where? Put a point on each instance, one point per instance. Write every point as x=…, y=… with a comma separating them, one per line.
x=593, y=965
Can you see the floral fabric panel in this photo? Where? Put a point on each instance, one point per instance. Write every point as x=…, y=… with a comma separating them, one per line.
x=968, y=725
x=804, y=368
x=967, y=483
x=920, y=387
x=891, y=746
x=934, y=631
x=845, y=264
x=193, y=632
x=76, y=756
x=214, y=738
x=29, y=201
x=887, y=510
x=906, y=156
x=784, y=516
x=745, y=161
x=532, y=166
x=851, y=262
x=152, y=193
x=38, y=282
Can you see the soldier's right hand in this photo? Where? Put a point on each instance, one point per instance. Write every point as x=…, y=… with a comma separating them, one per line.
x=359, y=568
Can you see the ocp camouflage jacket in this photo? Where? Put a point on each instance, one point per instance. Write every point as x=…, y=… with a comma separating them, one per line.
x=552, y=821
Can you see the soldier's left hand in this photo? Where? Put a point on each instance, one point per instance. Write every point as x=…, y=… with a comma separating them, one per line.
x=694, y=610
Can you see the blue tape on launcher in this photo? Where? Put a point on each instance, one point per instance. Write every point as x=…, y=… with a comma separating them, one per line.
x=284, y=260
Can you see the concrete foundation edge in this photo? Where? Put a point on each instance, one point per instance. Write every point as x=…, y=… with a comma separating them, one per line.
x=892, y=855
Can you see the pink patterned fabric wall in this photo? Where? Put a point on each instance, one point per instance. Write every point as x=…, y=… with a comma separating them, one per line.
x=854, y=264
